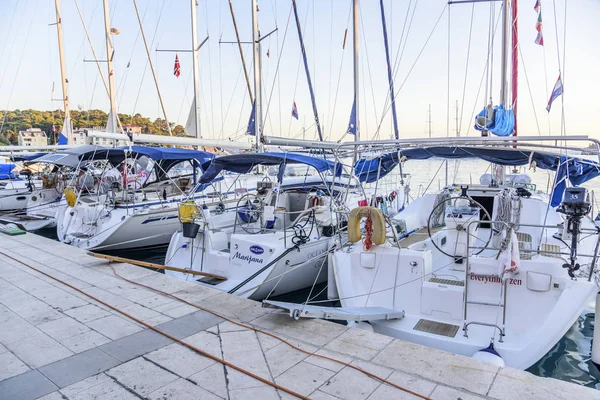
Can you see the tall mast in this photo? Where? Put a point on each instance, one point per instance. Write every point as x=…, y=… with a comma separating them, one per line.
x=356, y=88
x=195, y=49
x=504, y=59
x=258, y=117
x=111, y=124
x=515, y=59
x=67, y=129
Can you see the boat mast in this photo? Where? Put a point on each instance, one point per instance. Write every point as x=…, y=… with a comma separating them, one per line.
x=67, y=129
x=112, y=123
x=504, y=59
x=356, y=88
x=195, y=49
x=258, y=117
x=515, y=59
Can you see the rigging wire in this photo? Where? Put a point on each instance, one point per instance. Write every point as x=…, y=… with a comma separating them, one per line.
x=298, y=71
x=388, y=108
x=362, y=25
x=462, y=106
x=9, y=31
x=147, y=60
x=537, y=122
x=337, y=88
x=12, y=89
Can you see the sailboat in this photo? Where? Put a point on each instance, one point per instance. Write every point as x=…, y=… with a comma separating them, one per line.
x=496, y=270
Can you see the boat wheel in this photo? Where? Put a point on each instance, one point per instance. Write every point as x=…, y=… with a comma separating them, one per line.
x=249, y=210
x=439, y=216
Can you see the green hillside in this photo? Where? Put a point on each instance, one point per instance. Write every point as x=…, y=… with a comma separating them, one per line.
x=14, y=121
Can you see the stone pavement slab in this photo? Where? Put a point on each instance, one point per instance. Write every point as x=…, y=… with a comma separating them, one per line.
x=141, y=376
x=135, y=345
x=10, y=365
x=78, y=367
x=27, y=386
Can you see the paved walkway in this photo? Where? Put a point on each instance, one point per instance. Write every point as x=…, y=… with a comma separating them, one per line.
x=56, y=343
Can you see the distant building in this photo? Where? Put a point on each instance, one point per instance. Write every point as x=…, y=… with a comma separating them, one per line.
x=80, y=136
x=33, y=137
x=132, y=128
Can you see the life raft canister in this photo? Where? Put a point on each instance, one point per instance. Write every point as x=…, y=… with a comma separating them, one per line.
x=377, y=218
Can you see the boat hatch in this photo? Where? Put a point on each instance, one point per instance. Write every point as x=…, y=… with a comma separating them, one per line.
x=437, y=328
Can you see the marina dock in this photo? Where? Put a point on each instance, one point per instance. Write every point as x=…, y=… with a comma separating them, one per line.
x=73, y=326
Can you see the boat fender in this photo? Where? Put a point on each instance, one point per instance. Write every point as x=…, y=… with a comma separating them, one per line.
x=71, y=197
x=596, y=340
x=489, y=355
x=377, y=218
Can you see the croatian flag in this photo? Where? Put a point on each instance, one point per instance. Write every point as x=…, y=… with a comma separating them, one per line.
x=294, y=110
x=538, y=25
x=557, y=91
x=177, y=67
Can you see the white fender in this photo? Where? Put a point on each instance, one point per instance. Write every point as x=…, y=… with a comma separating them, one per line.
x=489, y=355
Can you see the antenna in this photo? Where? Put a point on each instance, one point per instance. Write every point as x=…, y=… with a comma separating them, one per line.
x=429, y=121
x=456, y=120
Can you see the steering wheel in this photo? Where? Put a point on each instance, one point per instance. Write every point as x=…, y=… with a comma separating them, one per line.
x=248, y=210
x=481, y=214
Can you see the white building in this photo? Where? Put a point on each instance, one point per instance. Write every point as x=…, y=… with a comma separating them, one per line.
x=33, y=137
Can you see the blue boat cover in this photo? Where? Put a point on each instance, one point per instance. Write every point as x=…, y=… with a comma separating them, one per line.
x=27, y=157
x=5, y=171
x=164, y=153
x=244, y=163
x=577, y=171
x=503, y=123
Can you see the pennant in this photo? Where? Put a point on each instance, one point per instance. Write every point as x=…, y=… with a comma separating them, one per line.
x=111, y=73
x=538, y=24
x=252, y=121
x=177, y=67
x=557, y=91
x=268, y=52
x=294, y=110
x=352, y=122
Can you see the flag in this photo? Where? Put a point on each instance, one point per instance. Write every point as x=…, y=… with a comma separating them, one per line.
x=111, y=73
x=177, y=67
x=252, y=121
x=268, y=52
x=538, y=24
x=557, y=91
x=352, y=123
x=53, y=128
x=128, y=64
x=294, y=110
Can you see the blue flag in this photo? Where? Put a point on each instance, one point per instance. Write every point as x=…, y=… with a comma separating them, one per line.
x=352, y=123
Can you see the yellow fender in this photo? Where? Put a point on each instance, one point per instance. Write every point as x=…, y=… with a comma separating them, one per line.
x=357, y=215
x=70, y=196
x=188, y=212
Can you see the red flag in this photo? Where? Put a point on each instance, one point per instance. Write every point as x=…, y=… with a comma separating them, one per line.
x=111, y=73
x=177, y=67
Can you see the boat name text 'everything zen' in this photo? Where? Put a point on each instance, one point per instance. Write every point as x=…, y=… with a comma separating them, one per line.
x=495, y=279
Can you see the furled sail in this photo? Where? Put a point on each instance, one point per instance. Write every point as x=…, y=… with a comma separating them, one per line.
x=498, y=120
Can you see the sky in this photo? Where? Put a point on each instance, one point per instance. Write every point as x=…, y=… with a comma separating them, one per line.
x=439, y=55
